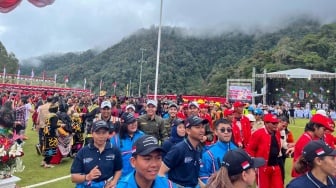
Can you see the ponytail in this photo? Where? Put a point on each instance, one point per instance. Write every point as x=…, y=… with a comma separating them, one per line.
x=220, y=179
x=302, y=165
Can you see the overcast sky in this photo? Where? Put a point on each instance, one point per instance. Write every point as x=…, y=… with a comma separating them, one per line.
x=78, y=25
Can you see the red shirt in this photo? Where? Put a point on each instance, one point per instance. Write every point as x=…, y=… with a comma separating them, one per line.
x=298, y=148
x=241, y=136
x=181, y=115
x=329, y=139
x=259, y=146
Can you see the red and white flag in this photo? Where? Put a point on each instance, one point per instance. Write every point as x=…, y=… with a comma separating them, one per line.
x=245, y=165
x=319, y=152
x=114, y=84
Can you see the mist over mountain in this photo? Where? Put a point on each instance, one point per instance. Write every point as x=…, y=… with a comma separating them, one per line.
x=193, y=63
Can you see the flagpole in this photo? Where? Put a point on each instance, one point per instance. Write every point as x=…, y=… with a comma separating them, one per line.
x=18, y=76
x=158, y=55
x=4, y=75
x=55, y=77
x=114, y=88
x=100, y=86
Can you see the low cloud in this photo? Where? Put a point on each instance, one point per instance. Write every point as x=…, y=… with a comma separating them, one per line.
x=72, y=26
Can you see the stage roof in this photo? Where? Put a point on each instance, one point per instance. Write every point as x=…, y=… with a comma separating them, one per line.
x=298, y=73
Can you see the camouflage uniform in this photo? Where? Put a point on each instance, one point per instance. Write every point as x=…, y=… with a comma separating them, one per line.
x=154, y=127
x=168, y=124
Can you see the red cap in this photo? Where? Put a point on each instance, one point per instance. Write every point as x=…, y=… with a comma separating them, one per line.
x=228, y=112
x=270, y=118
x=238, y=104
x=331, y=124
x=322, y=120
x=185, y=105
x=203, y=106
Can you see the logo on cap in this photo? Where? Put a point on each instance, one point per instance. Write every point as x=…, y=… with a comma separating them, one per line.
x=245, y=165
x=319, y=152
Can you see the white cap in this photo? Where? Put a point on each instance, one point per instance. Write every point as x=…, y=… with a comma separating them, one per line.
x=193, y=104
x=130, y=106
x=105, y=104
x=152, y=102
x=251, y=117
x=322, y=112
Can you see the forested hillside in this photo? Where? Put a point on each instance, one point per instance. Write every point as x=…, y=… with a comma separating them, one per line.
x=194, y=65
x=8, y=61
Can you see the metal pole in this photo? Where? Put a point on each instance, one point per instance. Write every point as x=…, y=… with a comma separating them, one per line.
x=130, y=88
x=334, y=97
x=142, y=50
x=265, y=87
x=158, y=55
x=253, y=84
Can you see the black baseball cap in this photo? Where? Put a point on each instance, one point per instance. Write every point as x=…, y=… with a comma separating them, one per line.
x=145, y=145
x=195, y=120
x=100, y=124
x=317, y=148
x=127, y=118
x=173, y=105
x=177, y=122
x=236, y=161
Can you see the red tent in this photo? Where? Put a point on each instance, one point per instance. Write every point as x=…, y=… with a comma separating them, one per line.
x=9, y=5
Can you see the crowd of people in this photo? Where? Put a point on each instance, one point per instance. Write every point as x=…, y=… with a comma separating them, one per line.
x=138, y=142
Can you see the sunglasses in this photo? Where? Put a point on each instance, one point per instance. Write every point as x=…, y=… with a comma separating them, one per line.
x=223, y=130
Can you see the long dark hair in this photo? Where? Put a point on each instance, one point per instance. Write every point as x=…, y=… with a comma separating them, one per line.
x=123, y=132
x=7, y=116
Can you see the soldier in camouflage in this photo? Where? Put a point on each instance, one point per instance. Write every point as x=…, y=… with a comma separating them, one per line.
x=152, y=124
x=172, y=111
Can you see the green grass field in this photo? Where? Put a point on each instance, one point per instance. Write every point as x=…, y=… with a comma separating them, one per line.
x=34, y=174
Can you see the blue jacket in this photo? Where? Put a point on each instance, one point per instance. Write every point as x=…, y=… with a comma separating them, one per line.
x=212, y=158
x=125, y=147
x=159, y=182
x=309, y=181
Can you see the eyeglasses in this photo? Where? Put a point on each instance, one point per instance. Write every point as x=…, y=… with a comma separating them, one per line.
x=223, y=130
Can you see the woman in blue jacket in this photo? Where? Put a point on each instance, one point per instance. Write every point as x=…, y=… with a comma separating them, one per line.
x=124, y=140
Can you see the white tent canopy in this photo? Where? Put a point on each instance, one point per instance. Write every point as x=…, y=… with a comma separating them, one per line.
x=298, y=73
